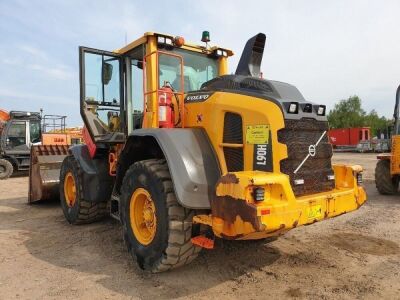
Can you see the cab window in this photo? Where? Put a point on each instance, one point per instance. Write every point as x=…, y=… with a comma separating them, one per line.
x=17, y=134
x=197, y=69
x=34, y=131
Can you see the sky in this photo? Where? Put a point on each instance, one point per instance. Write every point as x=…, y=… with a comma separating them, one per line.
x=330, y=50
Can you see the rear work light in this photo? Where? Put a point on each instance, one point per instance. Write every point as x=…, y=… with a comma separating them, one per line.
x=258, y=194
x=321, y=110
x=307, y=108
x=293, y=108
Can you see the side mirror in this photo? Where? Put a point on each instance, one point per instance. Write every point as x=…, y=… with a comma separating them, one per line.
x=107, y=73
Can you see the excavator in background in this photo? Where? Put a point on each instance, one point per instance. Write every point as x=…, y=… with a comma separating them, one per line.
x=387, y=170
x=181, y=152
x=20, y=131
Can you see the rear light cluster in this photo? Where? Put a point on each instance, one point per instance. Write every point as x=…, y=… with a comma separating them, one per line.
x=359, y=178
x=258, y=194
x=294, y=107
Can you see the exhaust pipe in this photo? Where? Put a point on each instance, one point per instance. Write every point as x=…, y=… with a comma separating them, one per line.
x=250, y=61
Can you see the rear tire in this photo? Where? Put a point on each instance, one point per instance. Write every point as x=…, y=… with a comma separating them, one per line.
x=385, y=183
x=170, y=246
x=76, y=210
x=6, y=169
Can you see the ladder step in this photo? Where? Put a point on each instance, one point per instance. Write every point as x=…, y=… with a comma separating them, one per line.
x=203, y=241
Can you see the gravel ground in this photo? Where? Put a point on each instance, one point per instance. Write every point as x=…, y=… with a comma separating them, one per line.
x=356, y=255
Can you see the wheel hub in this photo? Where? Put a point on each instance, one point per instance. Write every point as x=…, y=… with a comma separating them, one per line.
x=143, y=216
x=69, y=189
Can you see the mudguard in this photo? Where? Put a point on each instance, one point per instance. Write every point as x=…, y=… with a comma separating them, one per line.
x=97, y=183
x=191, y=160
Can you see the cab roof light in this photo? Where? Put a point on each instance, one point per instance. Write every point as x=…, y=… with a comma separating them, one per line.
x=220, y=52
x=179, y=41
x=164, y=41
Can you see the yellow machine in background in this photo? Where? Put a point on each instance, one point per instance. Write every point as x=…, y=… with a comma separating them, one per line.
x=181, y=152
x=387, y=171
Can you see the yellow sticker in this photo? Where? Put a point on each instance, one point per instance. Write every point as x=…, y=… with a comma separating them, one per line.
x=257, y=134
x=314, y=212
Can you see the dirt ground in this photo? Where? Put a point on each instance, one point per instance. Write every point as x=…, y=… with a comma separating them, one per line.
x=356, y=255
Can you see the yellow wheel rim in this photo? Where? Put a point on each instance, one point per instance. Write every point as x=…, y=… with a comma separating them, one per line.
x=69, y=189
x=142, y=213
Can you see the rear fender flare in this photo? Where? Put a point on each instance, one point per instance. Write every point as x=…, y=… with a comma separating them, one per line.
x=97, y=183
x=190, y=156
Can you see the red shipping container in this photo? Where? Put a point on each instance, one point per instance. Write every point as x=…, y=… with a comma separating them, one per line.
x=349, y=136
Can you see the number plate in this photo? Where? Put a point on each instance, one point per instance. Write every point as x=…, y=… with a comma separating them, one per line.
x=314, y=212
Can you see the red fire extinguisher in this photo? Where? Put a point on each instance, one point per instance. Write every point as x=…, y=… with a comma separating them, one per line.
x=166, y=116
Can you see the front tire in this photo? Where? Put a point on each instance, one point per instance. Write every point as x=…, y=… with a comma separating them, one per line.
x=156, y=228
x=385, y=183
x=76, y=210
x=6, y=169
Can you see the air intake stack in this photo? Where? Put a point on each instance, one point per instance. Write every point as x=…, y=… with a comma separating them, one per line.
x=250, y=61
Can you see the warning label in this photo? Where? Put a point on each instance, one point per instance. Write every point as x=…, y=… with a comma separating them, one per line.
x=257, y=134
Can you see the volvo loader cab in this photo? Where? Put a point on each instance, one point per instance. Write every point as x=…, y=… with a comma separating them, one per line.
x=182, y=153
x=21, y=129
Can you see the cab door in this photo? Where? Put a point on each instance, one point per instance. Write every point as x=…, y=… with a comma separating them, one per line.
x=102, y=94
x=15, y=139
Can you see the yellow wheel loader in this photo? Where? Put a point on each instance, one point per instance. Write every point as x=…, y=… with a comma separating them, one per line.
x=182, y=153
x=387, y=170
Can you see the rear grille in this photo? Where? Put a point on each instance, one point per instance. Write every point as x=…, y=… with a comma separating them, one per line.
x=234, y=159
x=298, y=135
x=233, y=129
x=233, y=134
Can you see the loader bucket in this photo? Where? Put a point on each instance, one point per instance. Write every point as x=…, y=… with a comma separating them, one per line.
x=44, y=171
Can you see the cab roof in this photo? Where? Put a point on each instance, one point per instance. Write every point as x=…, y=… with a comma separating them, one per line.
x=186, y=45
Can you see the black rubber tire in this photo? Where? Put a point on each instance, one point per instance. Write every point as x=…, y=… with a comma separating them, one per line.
x=82, y=212
x=171, y=246
x=385, y=183
x=6, y=169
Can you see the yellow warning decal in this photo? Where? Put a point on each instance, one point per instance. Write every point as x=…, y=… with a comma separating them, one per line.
x=257, y=134
x=314, y=212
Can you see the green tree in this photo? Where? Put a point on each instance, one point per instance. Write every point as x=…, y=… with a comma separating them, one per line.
x=347, y=113
x=376, y=123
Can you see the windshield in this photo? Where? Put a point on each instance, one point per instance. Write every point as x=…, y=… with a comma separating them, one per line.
x=198, y=68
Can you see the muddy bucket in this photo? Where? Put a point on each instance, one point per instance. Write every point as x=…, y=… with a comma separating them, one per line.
x=44, y=171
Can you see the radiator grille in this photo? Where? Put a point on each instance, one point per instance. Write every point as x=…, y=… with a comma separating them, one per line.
x=233, y=134
x=298, y=135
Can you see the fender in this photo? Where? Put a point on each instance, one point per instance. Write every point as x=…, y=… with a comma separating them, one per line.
x=190, y=156
x=97, y=184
